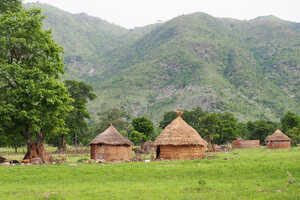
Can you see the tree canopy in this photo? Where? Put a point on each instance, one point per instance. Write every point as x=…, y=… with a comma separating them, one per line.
x=145, y=126
x=32, y=96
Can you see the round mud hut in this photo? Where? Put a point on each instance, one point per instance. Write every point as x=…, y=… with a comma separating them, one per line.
x=179, y=141
x=111, y=146
x=278, y=141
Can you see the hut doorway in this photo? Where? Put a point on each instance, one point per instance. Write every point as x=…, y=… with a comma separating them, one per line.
x=158, y=152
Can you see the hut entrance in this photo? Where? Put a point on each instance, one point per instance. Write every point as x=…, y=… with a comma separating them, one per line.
x=158, y=152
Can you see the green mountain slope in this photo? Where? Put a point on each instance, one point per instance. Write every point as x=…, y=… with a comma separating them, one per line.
x=251, y=68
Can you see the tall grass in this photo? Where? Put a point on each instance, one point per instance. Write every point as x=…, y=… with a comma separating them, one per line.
x=243, y=174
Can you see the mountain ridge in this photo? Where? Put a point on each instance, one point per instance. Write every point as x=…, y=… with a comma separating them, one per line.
x=248, y=67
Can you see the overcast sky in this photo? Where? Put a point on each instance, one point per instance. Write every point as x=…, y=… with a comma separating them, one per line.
x=132, y=13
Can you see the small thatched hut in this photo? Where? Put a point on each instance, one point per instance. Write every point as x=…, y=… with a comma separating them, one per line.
x=278, y=141
x=179, y=141
x=111, y=146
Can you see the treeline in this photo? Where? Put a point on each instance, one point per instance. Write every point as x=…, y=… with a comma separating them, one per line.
x=216, y=128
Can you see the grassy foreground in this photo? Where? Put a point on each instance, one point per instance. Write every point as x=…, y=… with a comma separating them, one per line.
x=243, y=174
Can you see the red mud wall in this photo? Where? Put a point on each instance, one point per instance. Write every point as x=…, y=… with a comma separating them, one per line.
x=182, y=152
x=279, y=145
x=245, y=144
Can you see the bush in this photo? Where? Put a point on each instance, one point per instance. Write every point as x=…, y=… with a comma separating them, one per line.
x=136, y=137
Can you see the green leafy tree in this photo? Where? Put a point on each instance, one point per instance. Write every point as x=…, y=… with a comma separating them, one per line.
x=242, y=130
x=136, y=137
x=294, y=134
x=218, y=128
x=144, y=126
x=260, y=129
x=30, y=68
x=116, y=116
x=76, y=119
x=10, y=6
x=228, y=127
x=210, y=127
x=167, y=119
x=289, y=121
x=191, y=117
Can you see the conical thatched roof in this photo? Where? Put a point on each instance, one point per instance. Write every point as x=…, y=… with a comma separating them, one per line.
x=178, y=132
x=278, y=136
x=111, y=136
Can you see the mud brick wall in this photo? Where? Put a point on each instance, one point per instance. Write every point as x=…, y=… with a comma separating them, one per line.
x=245, y=144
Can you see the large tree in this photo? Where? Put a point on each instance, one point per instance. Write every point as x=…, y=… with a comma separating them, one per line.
x=76, y=119
x=218, y=128
x=32, y=96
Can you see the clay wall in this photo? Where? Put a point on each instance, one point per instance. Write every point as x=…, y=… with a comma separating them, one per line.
x=182, y=152
x=245, y=144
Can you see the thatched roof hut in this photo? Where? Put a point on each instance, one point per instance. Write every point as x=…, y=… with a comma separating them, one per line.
x=111, y=146
x=180, y=141
x=278, y=140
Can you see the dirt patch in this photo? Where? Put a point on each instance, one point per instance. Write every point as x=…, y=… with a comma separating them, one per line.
x=2, y=159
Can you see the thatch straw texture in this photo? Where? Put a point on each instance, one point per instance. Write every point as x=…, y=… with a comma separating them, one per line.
x=277, y=136
x=111, y=137
x=178, y=132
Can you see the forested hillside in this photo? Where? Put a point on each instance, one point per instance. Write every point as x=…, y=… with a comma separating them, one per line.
x=250, y=68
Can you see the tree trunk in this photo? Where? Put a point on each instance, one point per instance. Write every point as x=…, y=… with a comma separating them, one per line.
x=16, y=149
x=41, y=148
x=37, y=149
x=75, y=140
x=62, y=146
x=214, y=147
x=29, y=143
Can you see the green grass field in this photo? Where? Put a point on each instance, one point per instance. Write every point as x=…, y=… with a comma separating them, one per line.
x=243, y=174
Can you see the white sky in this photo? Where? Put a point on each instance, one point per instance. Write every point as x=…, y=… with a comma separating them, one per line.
x=132, y=13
